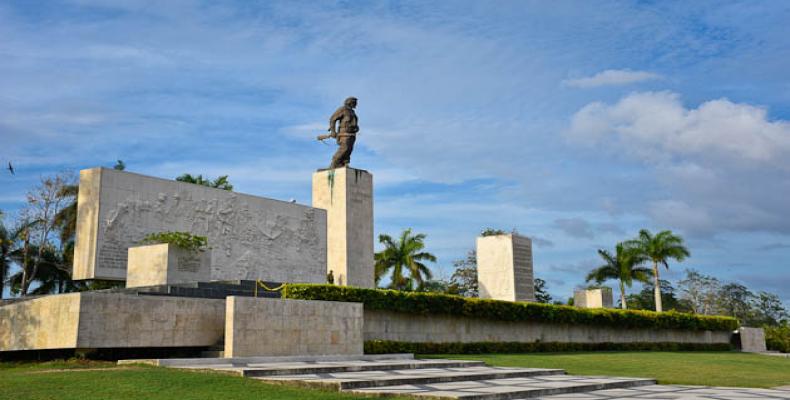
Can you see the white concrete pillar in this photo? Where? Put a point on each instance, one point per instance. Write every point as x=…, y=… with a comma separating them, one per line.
x=593, y=298
x=347, y=196
x=504, y=268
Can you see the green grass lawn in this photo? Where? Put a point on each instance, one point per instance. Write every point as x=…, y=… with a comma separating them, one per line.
x=78, y=380
x=691, y=368
x=74, y=380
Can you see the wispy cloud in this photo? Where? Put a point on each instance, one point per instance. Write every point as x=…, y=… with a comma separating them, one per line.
x=612, y=77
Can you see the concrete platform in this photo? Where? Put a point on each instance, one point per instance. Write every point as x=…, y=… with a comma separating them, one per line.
x=246, y=361
x=510, y=388
x=401, y=374
x=677, y=392
x=420, y=376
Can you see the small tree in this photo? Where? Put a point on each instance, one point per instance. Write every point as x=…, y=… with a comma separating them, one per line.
x=464, y=279
x=768, y=310
x=699, y=291
x=44, y=203
x=736, y=301
x=541, y=292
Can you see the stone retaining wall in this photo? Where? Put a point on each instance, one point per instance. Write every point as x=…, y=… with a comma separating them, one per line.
x=110, y=320
x=401, y=327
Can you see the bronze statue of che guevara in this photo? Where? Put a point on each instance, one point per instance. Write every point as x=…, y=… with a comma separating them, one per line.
x=343, y=126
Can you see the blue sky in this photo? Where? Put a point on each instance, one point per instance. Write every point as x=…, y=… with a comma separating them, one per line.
x=577, y=123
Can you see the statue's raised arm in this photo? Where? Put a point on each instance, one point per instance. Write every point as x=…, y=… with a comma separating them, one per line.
x=343, y=126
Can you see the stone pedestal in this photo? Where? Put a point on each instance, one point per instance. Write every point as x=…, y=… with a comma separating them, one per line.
x=277, y=327
x=504, y=268
x=752, y=340
x=593, y=298
x=165, y=264
x=347, y=196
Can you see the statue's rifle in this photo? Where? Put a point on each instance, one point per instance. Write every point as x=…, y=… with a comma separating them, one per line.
x=325, y=137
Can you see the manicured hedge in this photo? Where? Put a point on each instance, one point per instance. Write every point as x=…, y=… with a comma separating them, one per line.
x=777, y=338
x=387, y=347
x=432, y=303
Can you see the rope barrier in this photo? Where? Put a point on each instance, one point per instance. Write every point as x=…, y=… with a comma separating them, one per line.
x=260, y=283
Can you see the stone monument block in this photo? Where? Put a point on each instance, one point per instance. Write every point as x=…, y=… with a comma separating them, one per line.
x=166, y=264
x=277, y=327
x=347, y=196
x=593, y=298
x=504, y=268
x=251, y=237
x=752, y=340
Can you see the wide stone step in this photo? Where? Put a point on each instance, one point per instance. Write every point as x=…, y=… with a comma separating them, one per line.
x=417, y=376
x=506, y=389
x=356, y=366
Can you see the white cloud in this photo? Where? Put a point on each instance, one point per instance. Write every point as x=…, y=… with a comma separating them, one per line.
x=721, y=166
x=612, y=77
x=656, y=124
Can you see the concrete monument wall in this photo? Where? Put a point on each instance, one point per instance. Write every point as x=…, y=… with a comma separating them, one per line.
x=166, y=264
x=275, y=327
x=110, y=320
x=504, y=268
x=251, y=237
x=347, y=195
x=386, y=325
x=593, y=298
x=753, y=340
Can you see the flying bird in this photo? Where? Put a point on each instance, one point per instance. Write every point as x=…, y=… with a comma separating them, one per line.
x=11, y=168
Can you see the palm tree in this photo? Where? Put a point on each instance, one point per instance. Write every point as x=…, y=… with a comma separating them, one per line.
x=622, y=266
x=659, y=249
x=220, y=183
x=6, y=247
x=404, y=254
x=52, y=275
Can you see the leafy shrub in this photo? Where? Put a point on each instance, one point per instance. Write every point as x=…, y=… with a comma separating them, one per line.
x=183, y=240
x=777, y=338
x=434, y=303
x=388, y=347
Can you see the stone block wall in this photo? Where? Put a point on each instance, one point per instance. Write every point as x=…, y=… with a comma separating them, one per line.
x=166, y=264
x=49, y=322
x=752, y=340
x=110, y=320
x=387, y=325
x=276, y=327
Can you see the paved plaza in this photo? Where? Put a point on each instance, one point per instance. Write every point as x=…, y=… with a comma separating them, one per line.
x=678, y=392
x=402, y=374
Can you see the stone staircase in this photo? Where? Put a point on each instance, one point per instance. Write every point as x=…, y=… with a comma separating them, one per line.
x=402, y=375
